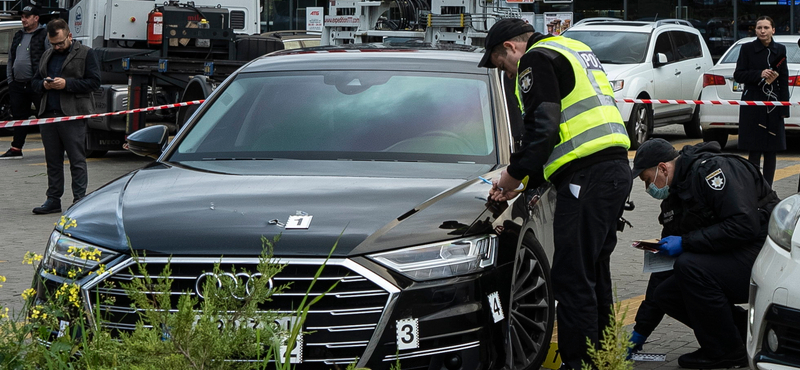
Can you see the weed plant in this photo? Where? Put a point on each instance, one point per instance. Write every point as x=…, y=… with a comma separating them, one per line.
x=614, y=345
x=227, y=329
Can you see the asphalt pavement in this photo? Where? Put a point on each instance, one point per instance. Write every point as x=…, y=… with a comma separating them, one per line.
x=23, y=183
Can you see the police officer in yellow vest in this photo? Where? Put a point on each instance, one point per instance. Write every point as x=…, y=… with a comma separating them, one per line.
x=574, y=138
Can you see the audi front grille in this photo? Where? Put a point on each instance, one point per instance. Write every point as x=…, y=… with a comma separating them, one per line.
x=342, y=324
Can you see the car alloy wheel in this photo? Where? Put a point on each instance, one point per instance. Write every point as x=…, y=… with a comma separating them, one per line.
x=531, y=314
x=640, y=125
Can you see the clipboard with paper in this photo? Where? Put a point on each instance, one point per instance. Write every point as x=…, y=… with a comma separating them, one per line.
x=653, y=261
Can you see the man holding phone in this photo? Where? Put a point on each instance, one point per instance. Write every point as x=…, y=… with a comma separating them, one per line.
x=67, y=76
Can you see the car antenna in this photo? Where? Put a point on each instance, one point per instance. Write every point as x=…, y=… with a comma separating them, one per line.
x=655, y=18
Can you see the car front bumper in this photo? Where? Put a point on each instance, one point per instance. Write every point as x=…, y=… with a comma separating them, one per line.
x=775, y=309
x=356, y=323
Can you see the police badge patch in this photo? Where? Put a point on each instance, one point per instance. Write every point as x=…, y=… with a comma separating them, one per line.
x=716, y=179
x=526, y=80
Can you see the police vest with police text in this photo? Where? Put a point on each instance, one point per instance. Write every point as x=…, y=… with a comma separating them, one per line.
x=590, y=120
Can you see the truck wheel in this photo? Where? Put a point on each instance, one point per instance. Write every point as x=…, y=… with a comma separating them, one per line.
x=184, y=113
x=5, y=109
x=640, y=125
x=532, y=308
x=720, y=136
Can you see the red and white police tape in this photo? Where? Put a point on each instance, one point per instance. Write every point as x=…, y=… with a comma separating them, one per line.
x=41, y=121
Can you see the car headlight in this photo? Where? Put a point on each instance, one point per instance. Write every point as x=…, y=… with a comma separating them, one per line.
x=617, y=85
x=69, y=257
x=441, y=260
x=783, y=221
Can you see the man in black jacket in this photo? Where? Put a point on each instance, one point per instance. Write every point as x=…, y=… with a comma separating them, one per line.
x=23, y=58
x=67, y=76
x=715, y=213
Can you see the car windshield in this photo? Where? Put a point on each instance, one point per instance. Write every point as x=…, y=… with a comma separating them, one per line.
x=614, y=47
x=792, y=51
x=346, y=115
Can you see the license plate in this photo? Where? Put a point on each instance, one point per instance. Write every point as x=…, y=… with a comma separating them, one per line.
x=286, y=323
x=737, y=86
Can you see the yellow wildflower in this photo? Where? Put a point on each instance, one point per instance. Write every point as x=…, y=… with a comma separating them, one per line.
x=28, y=293
x=29, y=258
x=2, y=280
x=4, y=315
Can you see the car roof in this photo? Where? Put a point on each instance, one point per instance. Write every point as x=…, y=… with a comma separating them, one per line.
x=782, y=39
x=439, y=58
x=292, y=35
x=603, y=24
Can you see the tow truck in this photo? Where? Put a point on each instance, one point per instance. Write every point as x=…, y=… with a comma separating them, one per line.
x=156, y=52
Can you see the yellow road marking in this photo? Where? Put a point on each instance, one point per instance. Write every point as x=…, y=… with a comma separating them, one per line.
x=785, y=172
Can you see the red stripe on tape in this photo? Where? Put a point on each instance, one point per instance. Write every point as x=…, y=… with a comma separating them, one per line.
x=41, y=121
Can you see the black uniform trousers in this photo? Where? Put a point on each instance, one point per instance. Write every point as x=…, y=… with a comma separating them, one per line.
x=649, y=314
x=585, y=230
x=702, y=293
x=21, y=96
x=69, y=136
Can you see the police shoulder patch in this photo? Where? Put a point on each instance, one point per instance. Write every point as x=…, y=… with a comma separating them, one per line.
x=526, y=80
x=716, y=179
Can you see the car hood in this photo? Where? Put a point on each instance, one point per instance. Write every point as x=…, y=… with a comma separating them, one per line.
x=614, y=71
x=225, y=208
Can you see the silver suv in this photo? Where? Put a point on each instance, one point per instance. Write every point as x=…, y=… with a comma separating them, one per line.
x=662, y=59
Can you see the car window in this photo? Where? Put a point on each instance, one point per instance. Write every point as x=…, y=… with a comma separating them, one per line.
x=347, y=115
x=792, y=53
x=5, y=40
x=606, y=45
x=664, y=46
x=687, y=44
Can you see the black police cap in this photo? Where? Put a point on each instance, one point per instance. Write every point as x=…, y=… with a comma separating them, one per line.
x=502, y=31
x=651, y=153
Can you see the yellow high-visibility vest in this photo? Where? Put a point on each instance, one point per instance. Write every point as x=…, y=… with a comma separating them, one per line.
x=590, y=120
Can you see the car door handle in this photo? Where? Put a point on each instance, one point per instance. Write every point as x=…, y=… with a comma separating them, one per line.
x=698, y=68
x=677, y=73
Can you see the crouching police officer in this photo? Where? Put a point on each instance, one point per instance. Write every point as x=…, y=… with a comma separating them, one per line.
x=716, y=209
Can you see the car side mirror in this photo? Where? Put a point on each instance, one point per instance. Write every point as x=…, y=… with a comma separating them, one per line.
x=661, y=59
x=148, y=142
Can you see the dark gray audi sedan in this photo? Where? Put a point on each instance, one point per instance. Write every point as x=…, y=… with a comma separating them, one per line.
x=376, y=148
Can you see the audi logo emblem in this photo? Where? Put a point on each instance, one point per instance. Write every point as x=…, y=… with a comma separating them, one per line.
x=234, y=279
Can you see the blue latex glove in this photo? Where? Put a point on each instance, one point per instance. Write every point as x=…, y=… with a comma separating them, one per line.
x=638, y=341
x=671, y=246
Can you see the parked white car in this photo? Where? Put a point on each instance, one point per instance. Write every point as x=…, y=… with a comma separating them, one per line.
x=719, y=121
x=773, y=335
x=649, y=60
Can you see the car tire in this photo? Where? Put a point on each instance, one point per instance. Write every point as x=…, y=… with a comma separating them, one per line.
x=532, y=307
x=640, y=125
x=720, y=136
x=693, y=128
